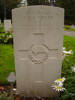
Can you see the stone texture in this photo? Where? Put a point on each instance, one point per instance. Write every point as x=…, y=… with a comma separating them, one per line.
x=38, y=35
x=7, y=25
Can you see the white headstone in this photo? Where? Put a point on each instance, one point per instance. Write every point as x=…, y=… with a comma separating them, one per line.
x=7, y=25
x=38, y=36
x=72, y=26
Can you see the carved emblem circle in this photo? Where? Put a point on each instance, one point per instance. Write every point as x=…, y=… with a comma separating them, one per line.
x=38, y=54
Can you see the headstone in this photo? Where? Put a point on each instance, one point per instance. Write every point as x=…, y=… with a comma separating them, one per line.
x=72, y=26
x=7, y=25
x=38, y=37
x=23, y=3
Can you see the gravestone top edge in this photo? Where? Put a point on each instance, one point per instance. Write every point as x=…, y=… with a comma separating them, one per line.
x=38, y=6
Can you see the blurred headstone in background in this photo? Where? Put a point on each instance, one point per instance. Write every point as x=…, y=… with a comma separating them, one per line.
x=8, y=26
x=72, y=26
x=22, y=3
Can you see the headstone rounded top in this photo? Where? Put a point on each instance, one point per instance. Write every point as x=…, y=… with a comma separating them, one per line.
x=38, y=6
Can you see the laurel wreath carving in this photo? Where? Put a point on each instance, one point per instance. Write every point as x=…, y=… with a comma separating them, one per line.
x=38, y=54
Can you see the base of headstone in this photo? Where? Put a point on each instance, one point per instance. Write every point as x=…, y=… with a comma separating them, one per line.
x=23, y=97
x=34, y=98
x=44, y=98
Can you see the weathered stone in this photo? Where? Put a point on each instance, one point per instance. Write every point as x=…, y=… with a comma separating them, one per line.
x=7, y=25
x=38, y=35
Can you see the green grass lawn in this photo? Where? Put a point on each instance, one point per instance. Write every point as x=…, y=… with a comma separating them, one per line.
x=1, y=29
x=6, y=62
x=69, y=61
x=69, y=28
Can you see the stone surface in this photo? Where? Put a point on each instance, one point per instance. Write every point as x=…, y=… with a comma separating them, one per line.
x=7, y=25
x=38, y=35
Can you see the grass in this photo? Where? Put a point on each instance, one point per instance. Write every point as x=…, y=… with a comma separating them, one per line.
x=2, y=29
x=68, y=62
x=6, y=62
x=69, y=28
x=69, y=43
